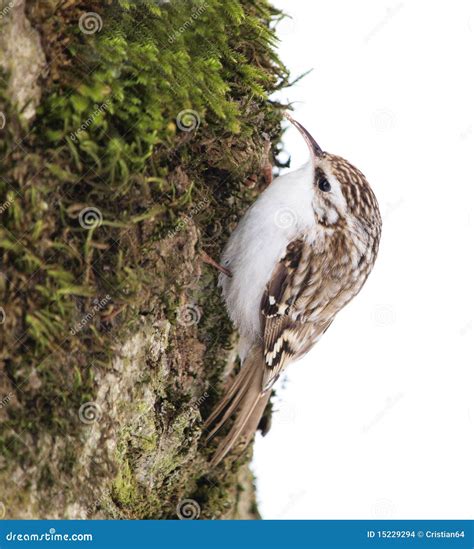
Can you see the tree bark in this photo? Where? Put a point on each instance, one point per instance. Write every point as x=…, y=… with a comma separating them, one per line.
x=132, y=136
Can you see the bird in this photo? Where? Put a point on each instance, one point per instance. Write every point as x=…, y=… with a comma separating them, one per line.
x=299, y=254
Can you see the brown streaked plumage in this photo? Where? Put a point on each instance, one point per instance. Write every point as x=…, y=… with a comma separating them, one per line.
x=314, y=268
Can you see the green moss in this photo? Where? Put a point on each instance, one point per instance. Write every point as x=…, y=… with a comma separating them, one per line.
x=107, y=136
x=124, y=488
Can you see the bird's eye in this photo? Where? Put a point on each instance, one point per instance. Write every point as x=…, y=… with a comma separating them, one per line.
x=324, y=185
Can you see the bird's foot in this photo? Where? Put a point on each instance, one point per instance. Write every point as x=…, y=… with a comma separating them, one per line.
x=207, y=259
x=268, y=173
x=267, y=169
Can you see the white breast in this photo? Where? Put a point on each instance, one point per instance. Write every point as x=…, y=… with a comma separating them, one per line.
x=280, y=214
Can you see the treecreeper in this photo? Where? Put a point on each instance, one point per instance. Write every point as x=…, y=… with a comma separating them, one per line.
x=300, y=253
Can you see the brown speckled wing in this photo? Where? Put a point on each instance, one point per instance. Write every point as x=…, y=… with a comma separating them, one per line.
x=286, y=333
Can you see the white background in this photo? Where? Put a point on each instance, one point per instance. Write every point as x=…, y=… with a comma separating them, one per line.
x=378, y=420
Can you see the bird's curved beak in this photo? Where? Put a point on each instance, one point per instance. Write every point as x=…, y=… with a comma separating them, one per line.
x=314, y=148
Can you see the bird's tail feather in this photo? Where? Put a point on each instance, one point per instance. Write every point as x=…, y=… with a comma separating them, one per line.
x=246, y=400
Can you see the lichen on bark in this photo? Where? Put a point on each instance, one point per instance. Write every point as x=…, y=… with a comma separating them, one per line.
x=21, y=55
x=114, y=339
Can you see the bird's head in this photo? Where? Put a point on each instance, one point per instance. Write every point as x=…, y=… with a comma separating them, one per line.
x=342, y=195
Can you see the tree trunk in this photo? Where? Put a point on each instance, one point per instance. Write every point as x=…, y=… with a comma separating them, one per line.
x=132, y=137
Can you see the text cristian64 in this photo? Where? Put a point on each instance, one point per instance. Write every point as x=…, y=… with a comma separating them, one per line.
x=435, y=534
